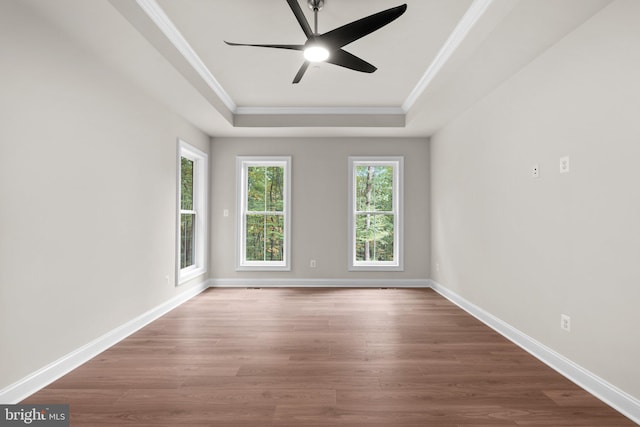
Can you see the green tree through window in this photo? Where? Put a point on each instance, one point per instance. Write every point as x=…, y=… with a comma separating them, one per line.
x=264, y=217
x=187, y=214
x=374, y=220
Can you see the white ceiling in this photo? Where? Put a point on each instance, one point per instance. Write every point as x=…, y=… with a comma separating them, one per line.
x=433, y=62
x=256, y=77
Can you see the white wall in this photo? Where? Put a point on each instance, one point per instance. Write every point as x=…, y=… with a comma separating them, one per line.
x=319, y=199
x=87, y=196
x=527, y=250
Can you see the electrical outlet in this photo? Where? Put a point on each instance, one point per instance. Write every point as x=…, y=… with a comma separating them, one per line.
x=564, y=164
x=225, y=212
x=565, y=322
x=312, y=263
x=535, y=171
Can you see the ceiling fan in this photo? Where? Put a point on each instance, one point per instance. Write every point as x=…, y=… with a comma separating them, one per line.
x=327, y=47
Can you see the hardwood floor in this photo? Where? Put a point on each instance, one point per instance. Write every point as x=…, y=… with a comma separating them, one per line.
x=321, y=357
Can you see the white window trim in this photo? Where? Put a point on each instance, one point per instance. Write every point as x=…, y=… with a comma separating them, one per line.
x=242, y=163
x=200, y=191
x=398, y=189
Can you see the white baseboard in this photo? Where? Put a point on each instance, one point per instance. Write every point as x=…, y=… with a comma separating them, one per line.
x=608, y=393
x=319, y=283
x=24, y=388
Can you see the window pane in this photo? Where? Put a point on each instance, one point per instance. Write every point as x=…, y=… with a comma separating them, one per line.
x=265, y=238
x=383, y=188
x=364, y=177
x=275, y=188
x=384, y=237
x=274, y=250
x=374, y=237
x=255, y=238
x=362, y=236
x=186, y=181
x=374, y=188
x=255, y=188
x=187, y=240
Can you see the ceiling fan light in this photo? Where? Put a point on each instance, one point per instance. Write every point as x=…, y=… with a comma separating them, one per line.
x=316, y=53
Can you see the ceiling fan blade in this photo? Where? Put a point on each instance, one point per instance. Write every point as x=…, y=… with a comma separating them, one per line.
x=302, y=20
x=301, y=72
x=348, y=33
x=274, y=46
x=345, y=59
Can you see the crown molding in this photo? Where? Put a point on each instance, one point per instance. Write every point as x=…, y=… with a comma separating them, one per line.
x=162, y=21
x=470, y=18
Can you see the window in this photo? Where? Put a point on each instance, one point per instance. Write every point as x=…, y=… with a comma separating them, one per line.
x=192, y=216
x=264, y=217
x=375, y=213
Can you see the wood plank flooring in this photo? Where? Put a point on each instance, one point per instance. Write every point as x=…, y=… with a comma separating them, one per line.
x=321, y=357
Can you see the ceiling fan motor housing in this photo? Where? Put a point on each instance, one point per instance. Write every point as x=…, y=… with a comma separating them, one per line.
x=315, y=4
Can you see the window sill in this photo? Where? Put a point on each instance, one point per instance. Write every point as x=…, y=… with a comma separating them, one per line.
x=189, y=274
x=263, y=268
x=376, y=268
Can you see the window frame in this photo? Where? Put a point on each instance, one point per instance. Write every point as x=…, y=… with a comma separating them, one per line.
x=242, y=165
x=200, y=191
x=397, y=162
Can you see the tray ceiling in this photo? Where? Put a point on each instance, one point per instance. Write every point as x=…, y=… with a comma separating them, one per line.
x=433, y=62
